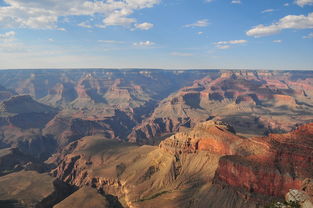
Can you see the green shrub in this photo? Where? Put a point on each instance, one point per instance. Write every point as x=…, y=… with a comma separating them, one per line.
x=291, y=204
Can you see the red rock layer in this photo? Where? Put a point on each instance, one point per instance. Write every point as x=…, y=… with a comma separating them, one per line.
x=283, y=164
x=210, y=136
x=255, y=103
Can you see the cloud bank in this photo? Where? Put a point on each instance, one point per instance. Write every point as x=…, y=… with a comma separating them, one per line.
x=45, y=14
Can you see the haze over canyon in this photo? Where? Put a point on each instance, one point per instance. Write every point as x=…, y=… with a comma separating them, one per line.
x=148, y=138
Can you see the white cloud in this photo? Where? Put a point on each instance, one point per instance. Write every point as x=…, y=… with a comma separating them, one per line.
x=144, y=43
x=310, y=35
x=286, y=4
x=144, y=26
x=45, y=14
x=304, y=2
x=231, y=42
x=277, y=41
x=236, y=2
x=8, y=36
x=268, y=10
x=51, y=40
x=223, y=46
x=227, y=44
x=9, y=44
x=84, y=24
x=287, y=22
x=181, y=54
x=119, y=18
x=199, y=23
x=200, y=33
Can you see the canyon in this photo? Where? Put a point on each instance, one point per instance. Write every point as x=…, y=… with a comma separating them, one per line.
x=154, y=138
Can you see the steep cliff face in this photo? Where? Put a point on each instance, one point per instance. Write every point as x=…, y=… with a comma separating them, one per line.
x=211, y=136
x=61, y=87
x=60, y=94
x=255, y=103
x=11, y=160
x=304, y=196
x=181, y=168
x=25, y=113
x=284, y=164
x=91, y=102
x=207, y=165
x=66, y=128
x=199, y=165
x=21, y=121
x=158, y=103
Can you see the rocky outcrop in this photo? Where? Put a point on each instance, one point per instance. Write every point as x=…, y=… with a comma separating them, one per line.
x=140, y=176
x=21, y=121
x=255, y=103
x=303, y=197
x=299, y=197
x=208, y=165
x=24, y=104
x=68, y=128
x=11, y=159
x=211, y=136
x=282, y=163
x=199, y=165
x=60, y=94
x=25, y=113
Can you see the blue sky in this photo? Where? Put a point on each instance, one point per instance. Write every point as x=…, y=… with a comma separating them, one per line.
x=231, y=34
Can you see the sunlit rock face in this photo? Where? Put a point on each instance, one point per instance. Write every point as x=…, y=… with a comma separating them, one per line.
x=86, y=127
x=211, y=136
x=282, y=162
x=254, y=103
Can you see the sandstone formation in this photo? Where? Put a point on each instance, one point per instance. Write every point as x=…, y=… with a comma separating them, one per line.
x=255, y=103
x=283, y=162
x=177, y=174
x=89, y=102
x=207, y=165
x=78, y=124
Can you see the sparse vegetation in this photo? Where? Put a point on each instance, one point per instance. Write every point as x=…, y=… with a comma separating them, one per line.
x=153, y=196
x=291, y=204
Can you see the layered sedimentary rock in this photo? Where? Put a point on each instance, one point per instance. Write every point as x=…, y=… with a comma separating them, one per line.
x=89, y=102
x=284, y=164
x=21, y=121
x=210, y=136
x=195, y=165
x=25, y=113
x=207, y=165
x=255, y=103
x=181, y=169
